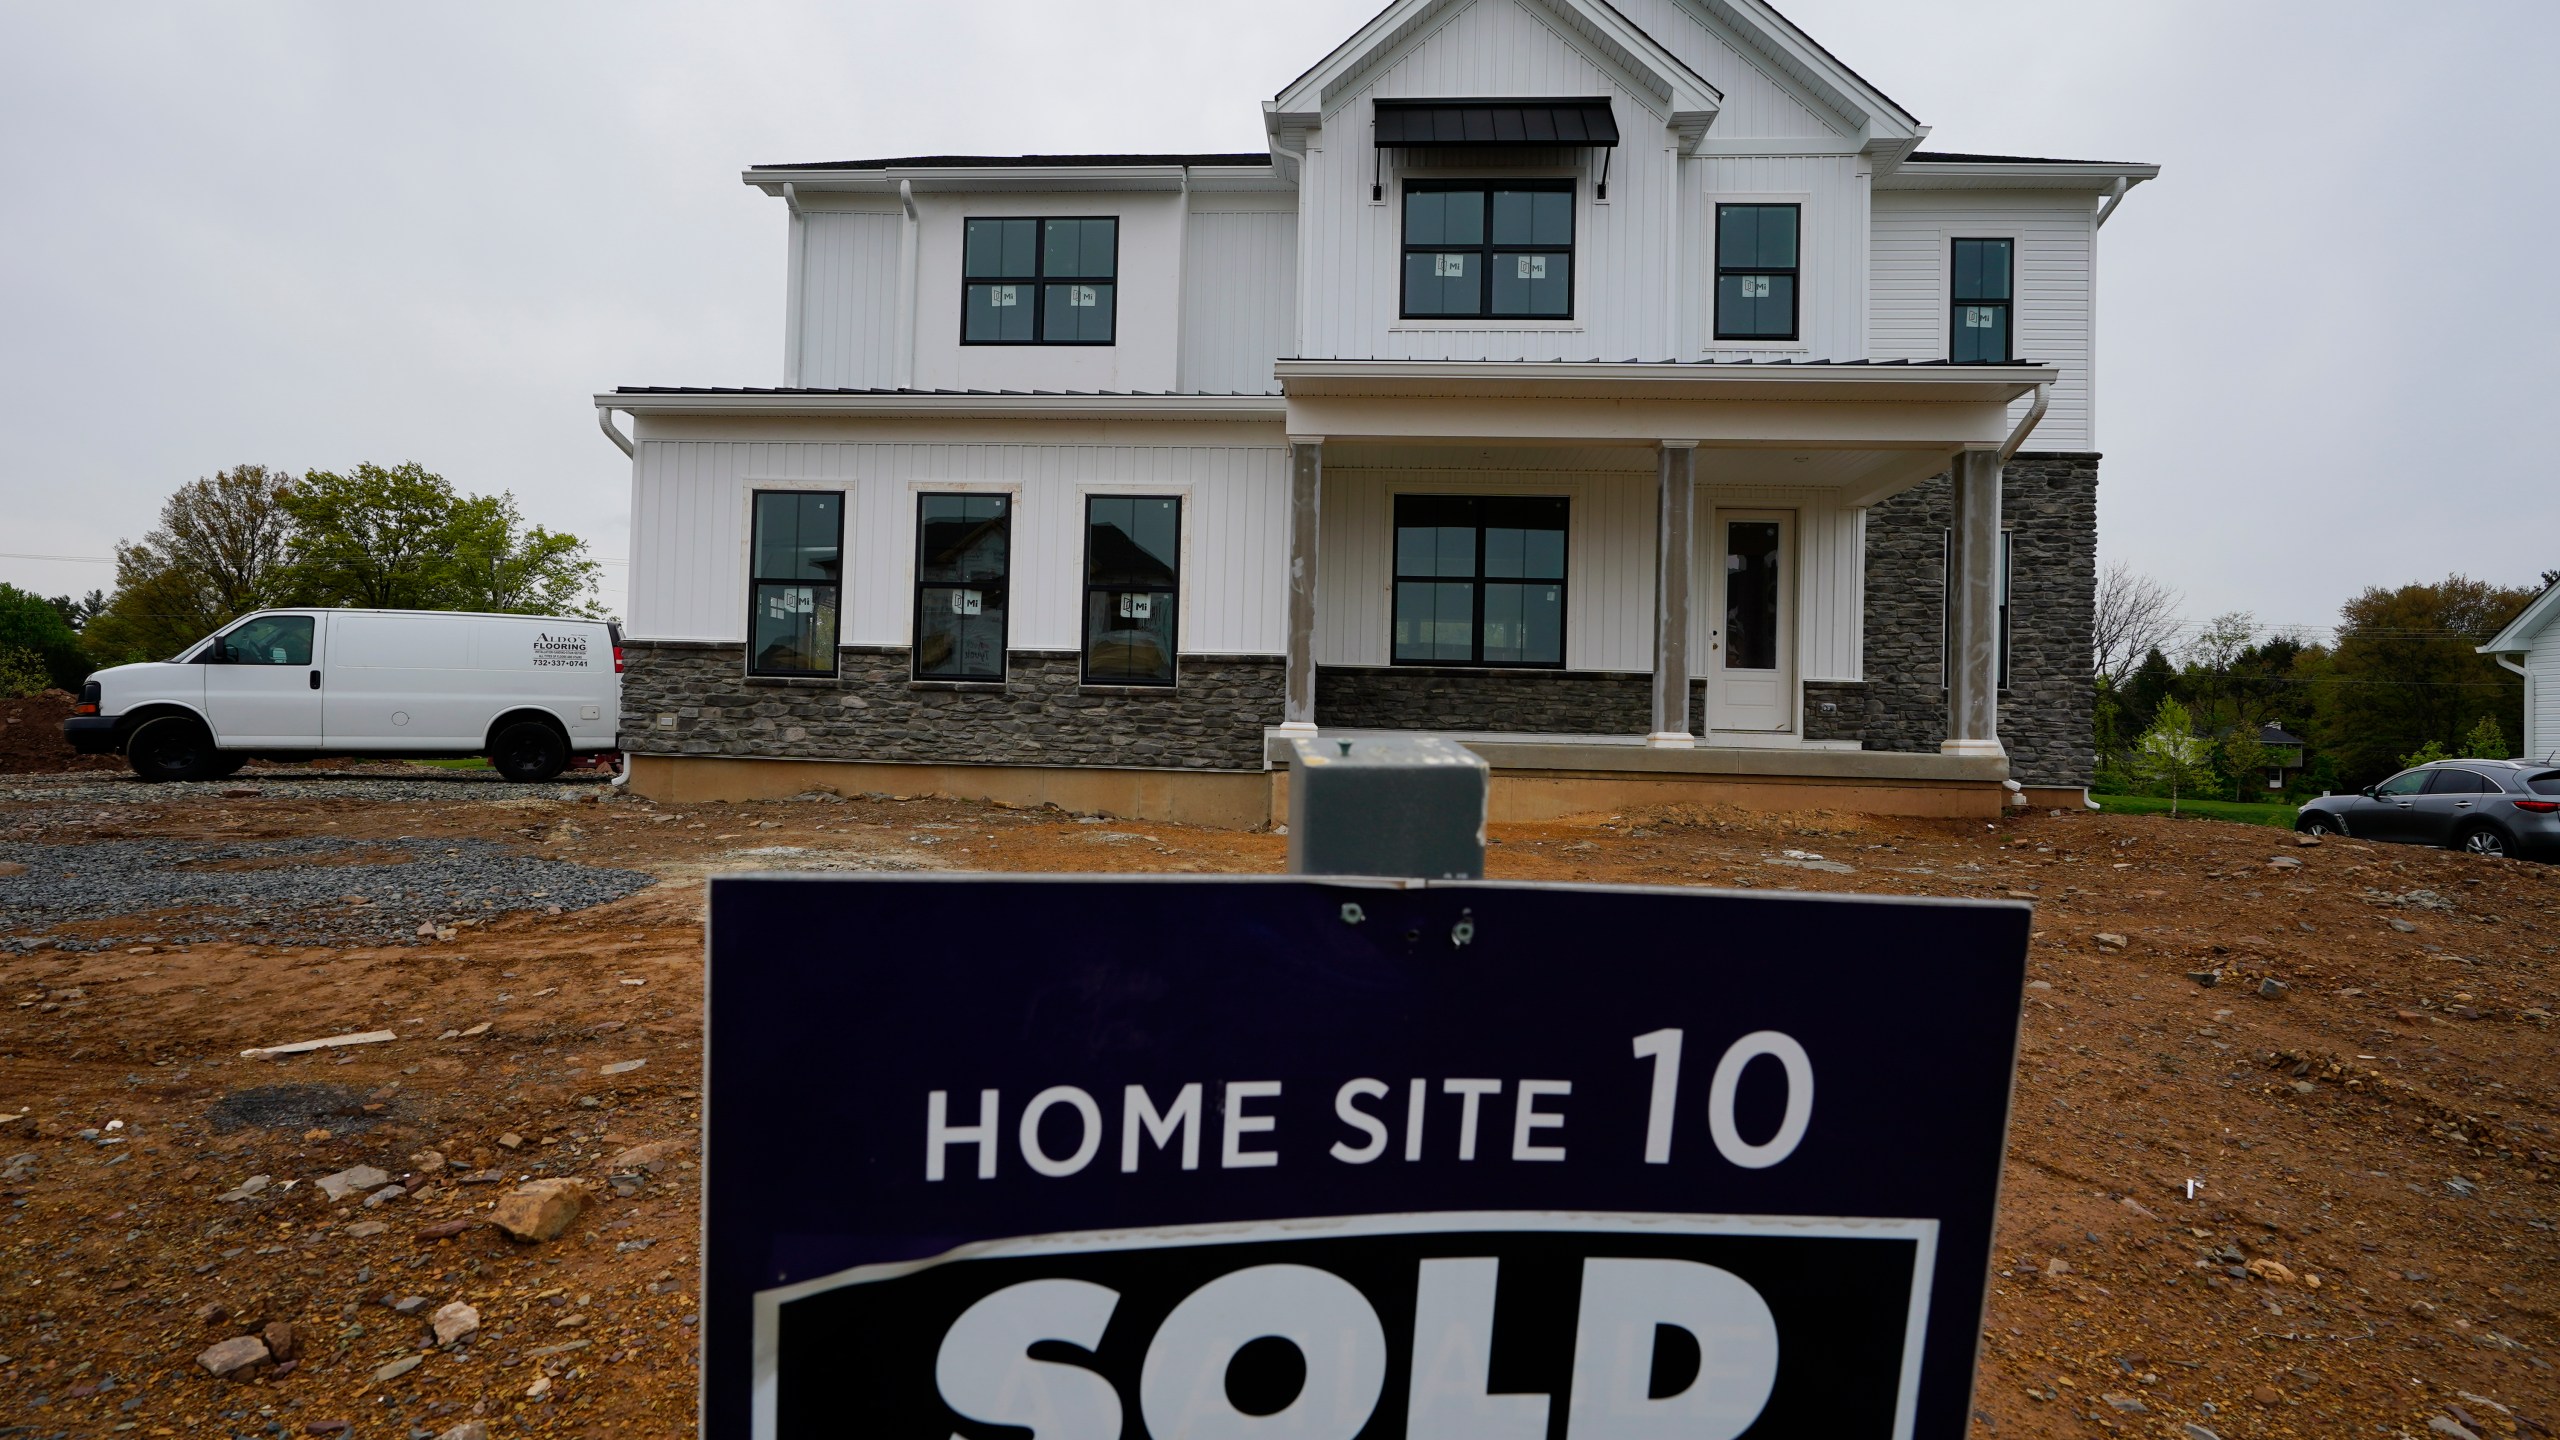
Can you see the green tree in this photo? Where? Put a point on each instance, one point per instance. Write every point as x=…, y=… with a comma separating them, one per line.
x=498, y=563
x=37, y=634
x=2153, y=681
x=2486, y=741
x=375, y=538
x=22, y=673
x=79, y=610
x=2406, y=672
x=2244, y=758
x=2426, y=754
x=2171, y=754
x=401, y=537
x=215, y=555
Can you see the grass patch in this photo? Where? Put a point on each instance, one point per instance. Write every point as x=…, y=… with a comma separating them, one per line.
x=2246, y=812
x=468, y=762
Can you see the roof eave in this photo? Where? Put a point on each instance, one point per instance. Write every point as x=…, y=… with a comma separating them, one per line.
x=926, y=179
x=2093, y=176
x=893, y=404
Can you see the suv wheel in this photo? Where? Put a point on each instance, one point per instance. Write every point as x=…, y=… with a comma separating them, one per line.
x=2483, y=840
x=528, y=752
x=173, y=748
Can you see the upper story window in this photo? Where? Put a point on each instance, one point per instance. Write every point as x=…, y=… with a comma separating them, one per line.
x=1980, y=330
x=795, y=571
x=963, y=559
x=1132, y=583
x=1040, y=282
x=1479, y=580
x=1501, y=248
x=1756, y=271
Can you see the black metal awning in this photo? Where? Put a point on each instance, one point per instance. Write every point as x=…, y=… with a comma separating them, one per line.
x=1418, y=124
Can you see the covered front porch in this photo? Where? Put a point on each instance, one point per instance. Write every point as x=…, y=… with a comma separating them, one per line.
x=1642, y=583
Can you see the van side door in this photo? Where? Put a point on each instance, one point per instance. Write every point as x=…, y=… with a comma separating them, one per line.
x=401, y=682
x=263, y=683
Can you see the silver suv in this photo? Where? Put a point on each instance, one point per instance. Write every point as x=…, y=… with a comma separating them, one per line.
x=2485, y=807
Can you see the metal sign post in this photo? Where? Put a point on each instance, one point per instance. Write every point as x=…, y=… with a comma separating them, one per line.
x=1177, y=1158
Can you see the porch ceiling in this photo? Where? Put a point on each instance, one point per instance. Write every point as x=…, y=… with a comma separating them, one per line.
x=1864, y=430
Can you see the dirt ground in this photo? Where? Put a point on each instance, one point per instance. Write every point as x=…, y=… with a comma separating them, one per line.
x=2363, y=1096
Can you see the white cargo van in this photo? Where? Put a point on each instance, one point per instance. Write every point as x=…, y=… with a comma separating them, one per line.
x=528, y=691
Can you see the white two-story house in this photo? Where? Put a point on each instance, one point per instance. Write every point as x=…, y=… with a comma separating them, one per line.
x=1620, y=388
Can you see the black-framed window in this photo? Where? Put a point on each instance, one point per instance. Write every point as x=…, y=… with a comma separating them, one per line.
x=1040, y=281
x=1980, y=302
x=1757, y=250
x=1132, y=585
x=1496, y=248
x=964, y=562
x=1946, y=609
x=795, y=575
x=1479, y=580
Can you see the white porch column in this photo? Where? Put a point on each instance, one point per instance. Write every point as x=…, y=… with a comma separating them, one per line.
x=1674, y=530
x=1973, y=609
x=1306, y=508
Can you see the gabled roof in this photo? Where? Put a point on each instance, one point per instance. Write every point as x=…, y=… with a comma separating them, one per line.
x=2522, y=631
x=1685, y=98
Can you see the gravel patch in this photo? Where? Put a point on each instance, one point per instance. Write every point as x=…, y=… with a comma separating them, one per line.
x=420, y=784
x=292, y=892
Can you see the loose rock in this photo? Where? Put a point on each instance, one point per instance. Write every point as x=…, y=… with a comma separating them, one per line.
x=283, y=1342
x=233, y=1356
x=539, y=1209
x=454, y=1321
x=347, y=1182
x=398, y=1368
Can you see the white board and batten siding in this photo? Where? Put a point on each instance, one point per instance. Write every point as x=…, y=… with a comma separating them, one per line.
x=1352, y=267
x=2055, y=316
x=1239, y=292
x=1609, y=566
x=2542, y=697
x=847, y=284
x=690, y=532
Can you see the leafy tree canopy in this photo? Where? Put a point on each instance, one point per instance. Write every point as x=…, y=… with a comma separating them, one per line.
x=34, y=632
x=215, y=555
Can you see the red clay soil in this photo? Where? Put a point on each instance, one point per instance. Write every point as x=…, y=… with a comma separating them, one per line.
x=31, y=740
x=2364, y=1096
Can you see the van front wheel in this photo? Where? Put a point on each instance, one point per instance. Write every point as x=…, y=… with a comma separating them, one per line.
x=528, y=752
x=172, y=748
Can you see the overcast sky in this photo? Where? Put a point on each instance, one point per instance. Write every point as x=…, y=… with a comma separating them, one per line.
x=308, y=235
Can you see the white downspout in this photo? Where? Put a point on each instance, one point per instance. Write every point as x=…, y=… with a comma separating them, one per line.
x=1672, y=261
x=1181, y=277
x=1298, y=285
x=796, y=264
x=604, y=418
x=911, y=242
x=2026, y=423
x=2115, y=198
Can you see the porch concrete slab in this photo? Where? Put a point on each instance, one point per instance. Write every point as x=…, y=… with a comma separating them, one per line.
x=1629, y=755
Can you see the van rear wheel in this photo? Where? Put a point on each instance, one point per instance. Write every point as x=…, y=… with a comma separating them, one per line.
x=528, y=752
x=172, y=748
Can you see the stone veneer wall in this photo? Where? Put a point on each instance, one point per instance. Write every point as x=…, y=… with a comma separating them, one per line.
x=1847, y=717
x=2050, y=503
x=1549, y=702
x=696, y=699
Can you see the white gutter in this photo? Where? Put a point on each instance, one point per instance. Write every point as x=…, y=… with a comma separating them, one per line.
x=911, y=248
x=996, y=405
x=1685, y=372
x=1181, y=264
x=2027, y=422
x=604, y=418
x=2506, y=664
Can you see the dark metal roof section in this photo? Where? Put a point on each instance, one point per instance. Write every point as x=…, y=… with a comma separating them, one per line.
x=1020, y=162
x=1422, y=124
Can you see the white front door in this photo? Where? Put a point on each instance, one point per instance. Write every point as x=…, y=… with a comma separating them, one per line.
x=1751, y=635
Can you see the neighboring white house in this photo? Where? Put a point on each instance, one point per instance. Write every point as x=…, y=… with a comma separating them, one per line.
x=2530, y=646
x=1618, y=386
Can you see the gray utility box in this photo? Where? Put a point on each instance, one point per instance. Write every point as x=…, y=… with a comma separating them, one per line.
x=1409, y=805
